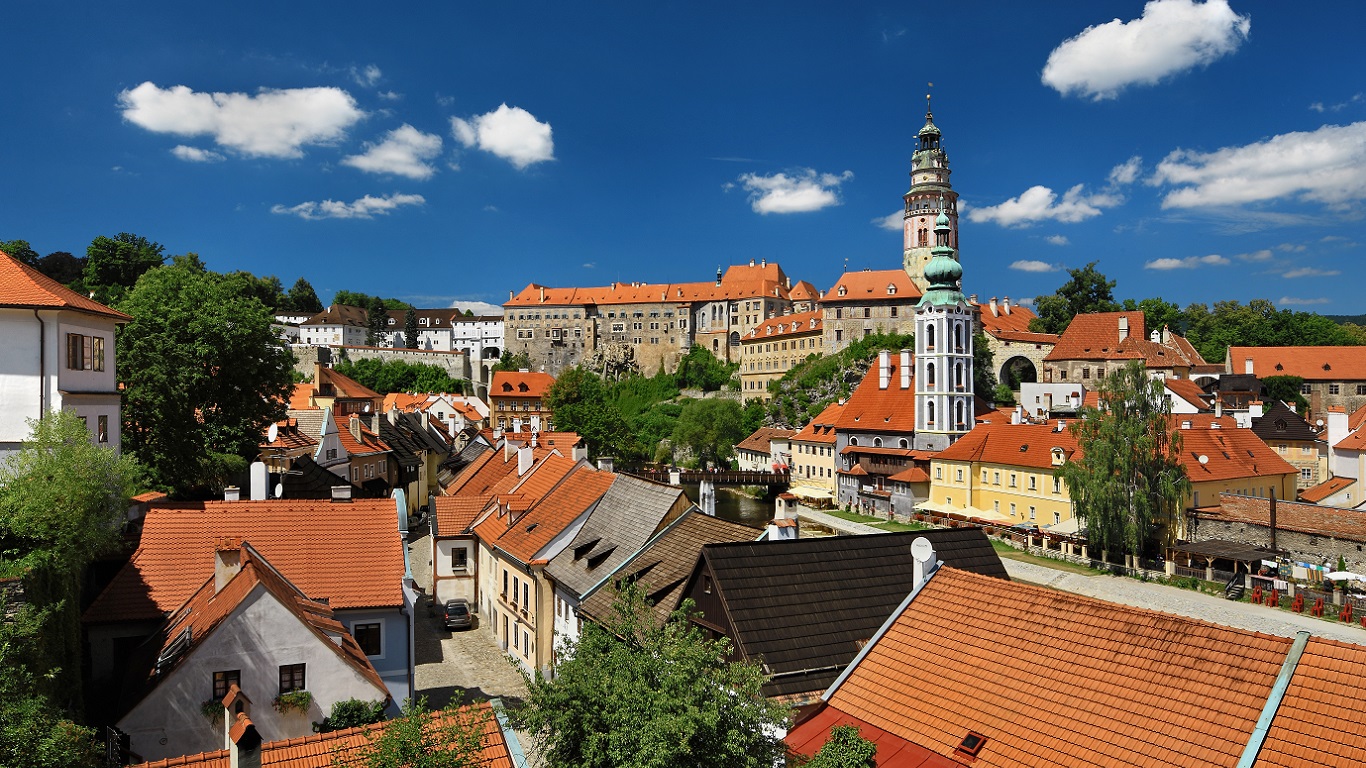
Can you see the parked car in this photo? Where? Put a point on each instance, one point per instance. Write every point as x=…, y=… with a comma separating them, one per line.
x=457, y=614
x=1025, y=529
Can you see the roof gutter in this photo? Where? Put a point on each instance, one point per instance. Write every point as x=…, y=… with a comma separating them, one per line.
x=42, y=363
x=1273, y=701
x=514, y=746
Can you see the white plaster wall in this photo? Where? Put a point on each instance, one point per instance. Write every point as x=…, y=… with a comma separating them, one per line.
x=259, y=637
x=19, y=383
x=450, y=584
x=566, y=616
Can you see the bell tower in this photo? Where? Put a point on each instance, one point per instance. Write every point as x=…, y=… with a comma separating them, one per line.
x=944, y=397
x=930, y=194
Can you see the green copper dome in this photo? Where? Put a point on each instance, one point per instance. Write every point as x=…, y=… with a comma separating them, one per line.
x=943, y=270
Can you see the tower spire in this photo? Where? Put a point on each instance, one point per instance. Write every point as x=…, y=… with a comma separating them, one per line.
x=930, y=194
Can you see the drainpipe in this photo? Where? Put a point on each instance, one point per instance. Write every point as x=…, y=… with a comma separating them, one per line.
x=42, y=364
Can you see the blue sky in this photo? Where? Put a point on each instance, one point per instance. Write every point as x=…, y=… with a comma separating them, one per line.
x=455, y=151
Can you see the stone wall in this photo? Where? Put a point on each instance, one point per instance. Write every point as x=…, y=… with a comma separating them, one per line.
x=457, y=364
x=1301, y=546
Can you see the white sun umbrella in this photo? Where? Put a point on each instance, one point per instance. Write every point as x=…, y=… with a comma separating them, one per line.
x=1344, y=576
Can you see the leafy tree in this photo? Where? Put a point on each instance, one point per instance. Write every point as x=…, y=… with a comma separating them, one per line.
x=1158, y=314
x=637, y=694
x=1287, y=390
x=354, y=299
x=846, y=748
x=754, y=414
x=350, y=713
x=448, y=738
x=1128, y=485
x=203, y=372
x=385, y=376
x=34, y=732
x=811, y=385
x=1258, y=324
x=114, y=264
x=580, y=404
x=513, y=361
x=410, y=329
x=983, y=366
x=1003, y=395
x=710, y=429
x=700, y=369
x=1085, y=291
x=63, y=267
x=376, y=322
x=21, y=251
x=302, y=298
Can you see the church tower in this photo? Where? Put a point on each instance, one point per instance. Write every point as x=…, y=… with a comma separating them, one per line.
x=930, y=193
x=943, y=347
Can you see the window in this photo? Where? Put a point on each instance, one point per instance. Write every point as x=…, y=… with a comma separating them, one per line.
x=84, y=353
x=383, y=466
x=1012, y=479
x=505, y=584
x=222, y=681
x=1033, y=482
x=460, y=559
x=1012, y=509
x=1333, y=389
x=1057, y=485
x=526, y=598
x=1361, y=389
x=291, y=677
x=996, y=478
x=1304, y=389
x=1031, y=512
x=1306, y=473
x=102, y=428
x=958, y=476
x=938, y=473
x=1057, y=518
x=368, y=638
x=1085, y=372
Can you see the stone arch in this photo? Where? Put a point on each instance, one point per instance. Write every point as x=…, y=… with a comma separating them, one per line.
x=1016, y=370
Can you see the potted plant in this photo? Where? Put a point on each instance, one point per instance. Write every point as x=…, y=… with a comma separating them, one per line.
x=293, y=701
x=211, y=709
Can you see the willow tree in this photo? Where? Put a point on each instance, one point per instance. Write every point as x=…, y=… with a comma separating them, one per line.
x=1128, y=486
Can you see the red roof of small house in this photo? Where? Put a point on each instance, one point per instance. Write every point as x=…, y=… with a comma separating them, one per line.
x=24, y=287
x=762, y=439
x=1233, y=453
x=455, y=514
x=1017, y=445
x=803, y=291
x=1308, y=363
x=1189, y=391
x=1327, y=488
x=347, y=552
x=520, y=384
x=551, y=511
x=1096, y=336
x=1016, y=320
x=822, y=428
x=872, y=285
x=784, y=326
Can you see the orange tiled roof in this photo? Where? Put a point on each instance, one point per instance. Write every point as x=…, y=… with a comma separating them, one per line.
x=349, y=553
x=406, y=402
x=911, y=475
x=1233, y=453
x=455, y=514
x=760, y=441
x=739, y=282
x=1335, y=522
x=24, y=287
x=1056, y=679
x=368, y=444
x=1327, y=488
x=1095, y=336
x=1357, y=418
x=1026, y=337
x=1353, y=442
x=288, y=436
x=523, y=536
x=803, y=291
x=1016, y=445
x=519, y=384
x=872, y=285
x=1317, y=724
x=318, y=750
x=785, y=326
x=561, y=440
x=822, y=428
x=1016, y=321
x=882, y=410
x=1308, y=363
x=1189, y=391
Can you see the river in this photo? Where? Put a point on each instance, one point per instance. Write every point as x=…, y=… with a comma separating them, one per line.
x=736, y=507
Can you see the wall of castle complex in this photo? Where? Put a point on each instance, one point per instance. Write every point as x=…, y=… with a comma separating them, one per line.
x=847, y=322
x=457, y=364
x=1302, y=547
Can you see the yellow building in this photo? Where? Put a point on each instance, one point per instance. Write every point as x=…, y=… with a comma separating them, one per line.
x=813, y=456
x=1005, y=472
x=771, y=348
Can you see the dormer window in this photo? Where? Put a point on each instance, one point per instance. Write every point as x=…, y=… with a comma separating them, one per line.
x=843, y=291
x=891, y=289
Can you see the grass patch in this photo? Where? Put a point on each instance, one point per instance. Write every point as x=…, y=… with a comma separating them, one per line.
x=1008, y=552
x=854, y=517
x=893, y=525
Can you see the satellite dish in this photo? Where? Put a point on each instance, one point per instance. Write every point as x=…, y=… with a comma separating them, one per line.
x=273, y=433
x=1204, y=459
x=921, y=549
x=1319, y=422
x=279, y=490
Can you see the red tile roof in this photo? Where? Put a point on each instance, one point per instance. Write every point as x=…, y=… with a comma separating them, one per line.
x=1095, y=336
x=519, y=384
x=319, y=750
x=892, y=751
x=872, y=285
x=523, y=536
x=22, y=286
x=803, y=291
x=1018, y=445
x=1189, y=391
x=1334, y=522
x=349, y=553
x=1353, y=442
x=1016, y=321
x=822, y=428
x=761, y=440
x=1308, y=363
x=1233, y=453
x=1320, y=722
x=455, y=514
x=288, y=436
x=880, y=410
x=785, y=326
x=1327, y=488
x=368, y=444
x=738, y=282
x=1057, y=679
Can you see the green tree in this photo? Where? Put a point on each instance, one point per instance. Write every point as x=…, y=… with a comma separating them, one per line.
x=1128, y=486
x=637, y=694
x=268, y=290
x=410, y=329
x=114, y=264
x=354, y=299
x=63, y=267
x=21, y=251
x=580, y=403
x=1086, y=290
x=846, y=748
x=983, y=366
x=700, y=369
x=1287, y=390
x=34, y=732
x=203, y=372
x=376, y=322
x=385, y=376
x=1158, y=314
x=511, y=361
x=302, y=298
x=710, y=429
x=1258, y=324
x=448, y=738
x=350, y=713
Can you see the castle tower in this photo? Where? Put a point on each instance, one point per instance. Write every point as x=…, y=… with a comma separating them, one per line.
x=943, y=348
x=930, y=193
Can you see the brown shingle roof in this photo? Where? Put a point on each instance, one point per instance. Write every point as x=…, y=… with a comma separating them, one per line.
x=340, y=314
x=349, y=553
x=1308, y=363
x=22, y=286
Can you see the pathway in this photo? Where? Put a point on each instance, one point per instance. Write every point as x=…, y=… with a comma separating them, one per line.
x=836, y=524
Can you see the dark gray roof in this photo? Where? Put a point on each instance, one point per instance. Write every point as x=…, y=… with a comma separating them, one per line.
x=1279, y=422
x=408, y=438
x=805, y=607
x=307, y=480
x=664, y=564
x=630, y=513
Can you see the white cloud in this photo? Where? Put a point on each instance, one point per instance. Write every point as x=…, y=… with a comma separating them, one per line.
x=365, y=208
x=1262, y=255
x=271, y=123
x=801, y=192
x=1292, y=247
x=1290, y=302
x=511, y=133
x=1190, y=262
x=1024, y=302
x=589, y=264
x=1029, y=265
x=1356, y=98
x=481, y=308
x=1126, y=172
x=1057, y=240
x=1310, y=272
x=403, y=152
x=367, y=76
x=389, y=95
x=196, y=155
x=892, y=221
x=1039, y=203
x=1329, y=167
x=1170, y=37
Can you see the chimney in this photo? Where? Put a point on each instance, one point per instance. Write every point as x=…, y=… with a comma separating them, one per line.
x=260, y=481
x=580, y=453
x=1123, y=327
x=1247, y=366
x=905, y=369
x=1017, y=415
x=718, y=275
x=1062, y=425
x=535, y=440
x=926, y=561
x=232, y=493
x=426, y=420
x=884, y=369
x=605, y=463
x=393, y=415
x=1166, y=335
x=245, y=751
x=1219, y=408
x=509, y=294
x=1155, y=337
x=992, y=306
x=374, y=422
x=763, y=262
x=354, y=426
x=1273, y=520
x=542, y=294
x=341, y=494
x=1254, y=409
x=524, y=460
x=972, y=299
x=751, y=262
x=1005, y=305
x=227, y=562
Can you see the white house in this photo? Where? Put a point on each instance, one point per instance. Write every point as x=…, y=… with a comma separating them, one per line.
x=58, y=352
x=338, y=325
